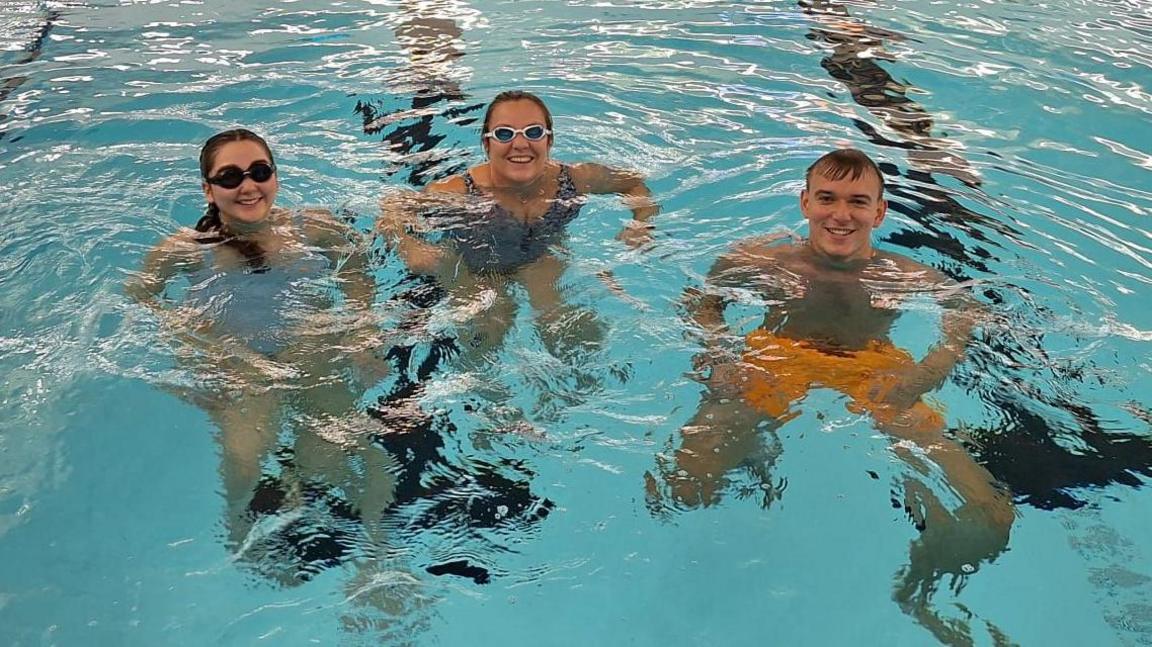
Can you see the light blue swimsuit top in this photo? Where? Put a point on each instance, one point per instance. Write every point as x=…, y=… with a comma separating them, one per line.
x=262, y=306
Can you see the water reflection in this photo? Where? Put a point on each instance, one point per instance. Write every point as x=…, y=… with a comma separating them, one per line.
x=30, y=52
x=433, y=41
x=855, y=47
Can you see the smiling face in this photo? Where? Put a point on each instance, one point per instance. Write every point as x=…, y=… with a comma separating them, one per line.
x=519, y=161
x=842, y=213
x=251, y=202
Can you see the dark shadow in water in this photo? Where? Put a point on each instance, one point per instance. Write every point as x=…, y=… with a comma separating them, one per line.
x=432, y=493
x=432, y=43
x=31, y=52
x=854, y=49
x=1023, y=452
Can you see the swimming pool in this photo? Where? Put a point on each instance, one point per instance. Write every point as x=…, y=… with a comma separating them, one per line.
x=110, y=506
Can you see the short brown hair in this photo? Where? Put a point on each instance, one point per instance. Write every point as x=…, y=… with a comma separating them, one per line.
x=842, y=163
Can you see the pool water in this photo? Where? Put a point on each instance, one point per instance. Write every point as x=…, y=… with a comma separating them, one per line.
x=111, y=514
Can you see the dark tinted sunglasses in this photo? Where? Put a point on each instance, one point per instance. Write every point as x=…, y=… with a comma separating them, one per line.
x=231, y=177
x=504, y=134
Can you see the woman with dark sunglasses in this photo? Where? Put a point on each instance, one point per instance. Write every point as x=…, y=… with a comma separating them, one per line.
x=273, y=312
x=502, y=221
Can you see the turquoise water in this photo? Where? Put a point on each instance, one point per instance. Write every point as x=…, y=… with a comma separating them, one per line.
x=110, y=497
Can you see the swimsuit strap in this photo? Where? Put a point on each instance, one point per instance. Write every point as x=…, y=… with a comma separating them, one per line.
x=566, y=187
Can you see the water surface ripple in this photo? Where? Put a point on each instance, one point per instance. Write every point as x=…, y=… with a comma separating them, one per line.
x=1014, y=143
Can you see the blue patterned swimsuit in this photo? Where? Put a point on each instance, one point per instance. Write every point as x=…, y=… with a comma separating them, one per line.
x=495, y=241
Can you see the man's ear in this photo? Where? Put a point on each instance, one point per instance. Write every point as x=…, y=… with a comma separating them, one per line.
x=881, y=211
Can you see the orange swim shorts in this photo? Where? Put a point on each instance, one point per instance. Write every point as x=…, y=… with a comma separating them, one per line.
x=784, y=370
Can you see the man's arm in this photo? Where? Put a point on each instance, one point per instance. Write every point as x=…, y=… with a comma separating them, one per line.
x=725, y=432
x=961, y=312
x=740, y=268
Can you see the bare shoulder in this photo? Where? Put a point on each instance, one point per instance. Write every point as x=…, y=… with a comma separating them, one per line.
x=585, y=174
x=591, y=177
x=773, y=245
x=321, y=226
x=180, y=252
x=184, y=245
x=752, y=256
x=768, y=249
x=320, y=218
x=913, y=269
x=452, y=184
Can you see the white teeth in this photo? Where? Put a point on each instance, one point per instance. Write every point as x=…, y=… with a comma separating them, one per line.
x=520, y=160
x=839, y=232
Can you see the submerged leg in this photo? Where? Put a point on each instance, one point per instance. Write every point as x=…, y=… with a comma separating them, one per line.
x=568, y=331
x=248, y=431
x=951, y=543
x=484, y=313
x=721, y=437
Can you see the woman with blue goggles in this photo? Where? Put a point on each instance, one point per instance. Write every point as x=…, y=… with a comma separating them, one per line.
x=502, y=222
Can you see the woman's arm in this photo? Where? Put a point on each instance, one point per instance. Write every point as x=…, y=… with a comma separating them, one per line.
x=629, y=185
x=399, y=221
x=175, y=255
x=345, y=248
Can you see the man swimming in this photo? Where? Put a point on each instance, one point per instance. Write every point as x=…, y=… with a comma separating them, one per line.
x=831, y=303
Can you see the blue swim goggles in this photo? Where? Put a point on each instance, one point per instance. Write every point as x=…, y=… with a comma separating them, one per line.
x=504, y=134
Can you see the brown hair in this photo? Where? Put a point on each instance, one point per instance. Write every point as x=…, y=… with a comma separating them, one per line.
x=842, y=163
x=210, y=221
x=517, y=95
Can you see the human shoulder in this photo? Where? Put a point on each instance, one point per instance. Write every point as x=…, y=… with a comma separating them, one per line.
x=451, y=184
x=590, y=177
x=753, y=255
x=185, y=245
x=917, y=277
x=585, y=175
x=910, y=269
x=179, y=253
x=770, y=248
x=320, y=221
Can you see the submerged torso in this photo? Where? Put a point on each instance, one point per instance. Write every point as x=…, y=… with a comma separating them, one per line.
x=490, y=239
x=263, y=307
x=831, y=308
